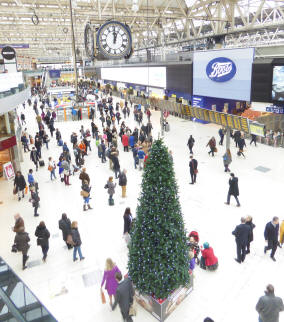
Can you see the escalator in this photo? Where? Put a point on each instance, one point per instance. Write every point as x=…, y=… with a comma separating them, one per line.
x=17, y=302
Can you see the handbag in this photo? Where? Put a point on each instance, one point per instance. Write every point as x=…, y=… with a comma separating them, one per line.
x=39, y=241
x=66, y=172
x=132, y=309
x=69, y=240
x=103, y=297
x=50, y=168
x=14, y=248
x=15, y=191
x=195, y=171
x=84, y=194
x=26, y=189
x=215, y=150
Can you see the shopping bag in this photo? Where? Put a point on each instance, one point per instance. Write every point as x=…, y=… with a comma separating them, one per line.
x=132, y=309
x=103, y=297
x=14, y=191
x=26, y=189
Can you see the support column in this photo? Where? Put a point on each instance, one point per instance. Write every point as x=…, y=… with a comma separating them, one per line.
x=228, y=137
x=7, y=123
x=73, y=50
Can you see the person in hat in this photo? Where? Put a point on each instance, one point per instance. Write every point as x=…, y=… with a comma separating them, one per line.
x=208, y=259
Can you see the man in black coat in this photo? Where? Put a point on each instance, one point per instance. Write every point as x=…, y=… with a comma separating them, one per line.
x=34, y=157
x=233, y=190
x=271, y=236
x=193, y=169
x=242, y=233
x=123, y=182
x=124, y=296
x=65, y=225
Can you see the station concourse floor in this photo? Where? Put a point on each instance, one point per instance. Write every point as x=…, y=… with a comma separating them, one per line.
x=71, y=291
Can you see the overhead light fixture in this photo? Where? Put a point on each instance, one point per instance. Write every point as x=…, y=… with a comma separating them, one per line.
x=190, y=3
x=135, y=5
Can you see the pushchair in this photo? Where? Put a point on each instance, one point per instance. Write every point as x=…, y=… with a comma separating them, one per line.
x=193, y=245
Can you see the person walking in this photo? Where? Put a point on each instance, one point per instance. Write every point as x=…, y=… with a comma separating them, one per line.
x=271, y=236
x=85, y=193
x=84, y=176
x=66, y=166
x=124, y=296
x=76, y=241
x=212, y=146
x=19, y=185
x=19, y=223
x=269, y=306
x=64, y=224
x=190, y=143
x=252, y=226
x=43, y=236
x=123, y=182
x=34, y=157
x=109, y=279
x=242, y=233
x=253, y=139
x=116, y=165
x=233, y=190
x=51, y=168
x=227, y=160
x=111, y=190
x=34, y=200
x=22, y=244
x=141, y=156
x=125, y=142
x=193, y=169
x=127, y=218
x=241, y=144
x=221, y=134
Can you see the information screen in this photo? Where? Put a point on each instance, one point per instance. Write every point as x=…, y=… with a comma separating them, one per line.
x=148, y=76
x=278, y=83
x=227, y=120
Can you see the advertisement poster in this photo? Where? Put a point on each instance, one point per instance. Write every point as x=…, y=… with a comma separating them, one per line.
x=223, y=73
x=278, y=83
x=9, y=171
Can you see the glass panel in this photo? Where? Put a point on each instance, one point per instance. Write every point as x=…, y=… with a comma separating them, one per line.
x=20, y=296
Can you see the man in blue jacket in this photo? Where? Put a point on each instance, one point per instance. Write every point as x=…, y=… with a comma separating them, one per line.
x=141, y=156
x=271, y=236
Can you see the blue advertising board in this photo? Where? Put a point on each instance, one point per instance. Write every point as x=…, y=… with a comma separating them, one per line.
x=223, y=73
x=54, y=73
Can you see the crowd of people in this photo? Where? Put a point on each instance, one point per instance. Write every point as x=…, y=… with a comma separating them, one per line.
x=107, y=132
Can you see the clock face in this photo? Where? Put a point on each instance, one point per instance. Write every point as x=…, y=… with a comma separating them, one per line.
x=114, y=40
x=89, y=41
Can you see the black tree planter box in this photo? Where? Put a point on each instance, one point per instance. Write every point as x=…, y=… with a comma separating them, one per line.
x=161, y=309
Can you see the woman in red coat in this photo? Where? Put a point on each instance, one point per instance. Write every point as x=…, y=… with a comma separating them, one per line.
x=208, y=259
x=125, y=142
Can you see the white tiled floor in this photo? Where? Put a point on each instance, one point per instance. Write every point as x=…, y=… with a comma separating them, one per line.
x=228, y=295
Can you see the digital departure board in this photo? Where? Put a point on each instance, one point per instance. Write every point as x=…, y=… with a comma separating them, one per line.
x=227, y=120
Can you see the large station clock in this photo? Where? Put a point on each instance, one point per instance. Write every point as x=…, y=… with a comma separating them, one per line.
x=89, y=41
x=114, y=40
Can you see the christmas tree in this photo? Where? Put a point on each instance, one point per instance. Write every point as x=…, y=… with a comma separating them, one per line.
x=158, y=254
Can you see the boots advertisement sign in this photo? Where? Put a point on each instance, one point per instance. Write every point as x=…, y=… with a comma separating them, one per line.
x=221, y=69
x=223, y=74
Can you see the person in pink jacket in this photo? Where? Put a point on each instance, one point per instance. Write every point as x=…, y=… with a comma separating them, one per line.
x=109, y=278
x=125, y=142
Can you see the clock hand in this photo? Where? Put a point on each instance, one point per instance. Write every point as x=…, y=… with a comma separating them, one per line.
x=114, y=37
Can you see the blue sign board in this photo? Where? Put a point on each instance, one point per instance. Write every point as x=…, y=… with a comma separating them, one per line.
x=197, y=101
x=221, y=69
x=54, y=73
x=15, y=46
x=275, y=109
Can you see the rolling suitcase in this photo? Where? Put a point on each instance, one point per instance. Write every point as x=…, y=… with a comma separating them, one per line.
x=41, y=163
x=111, y=202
